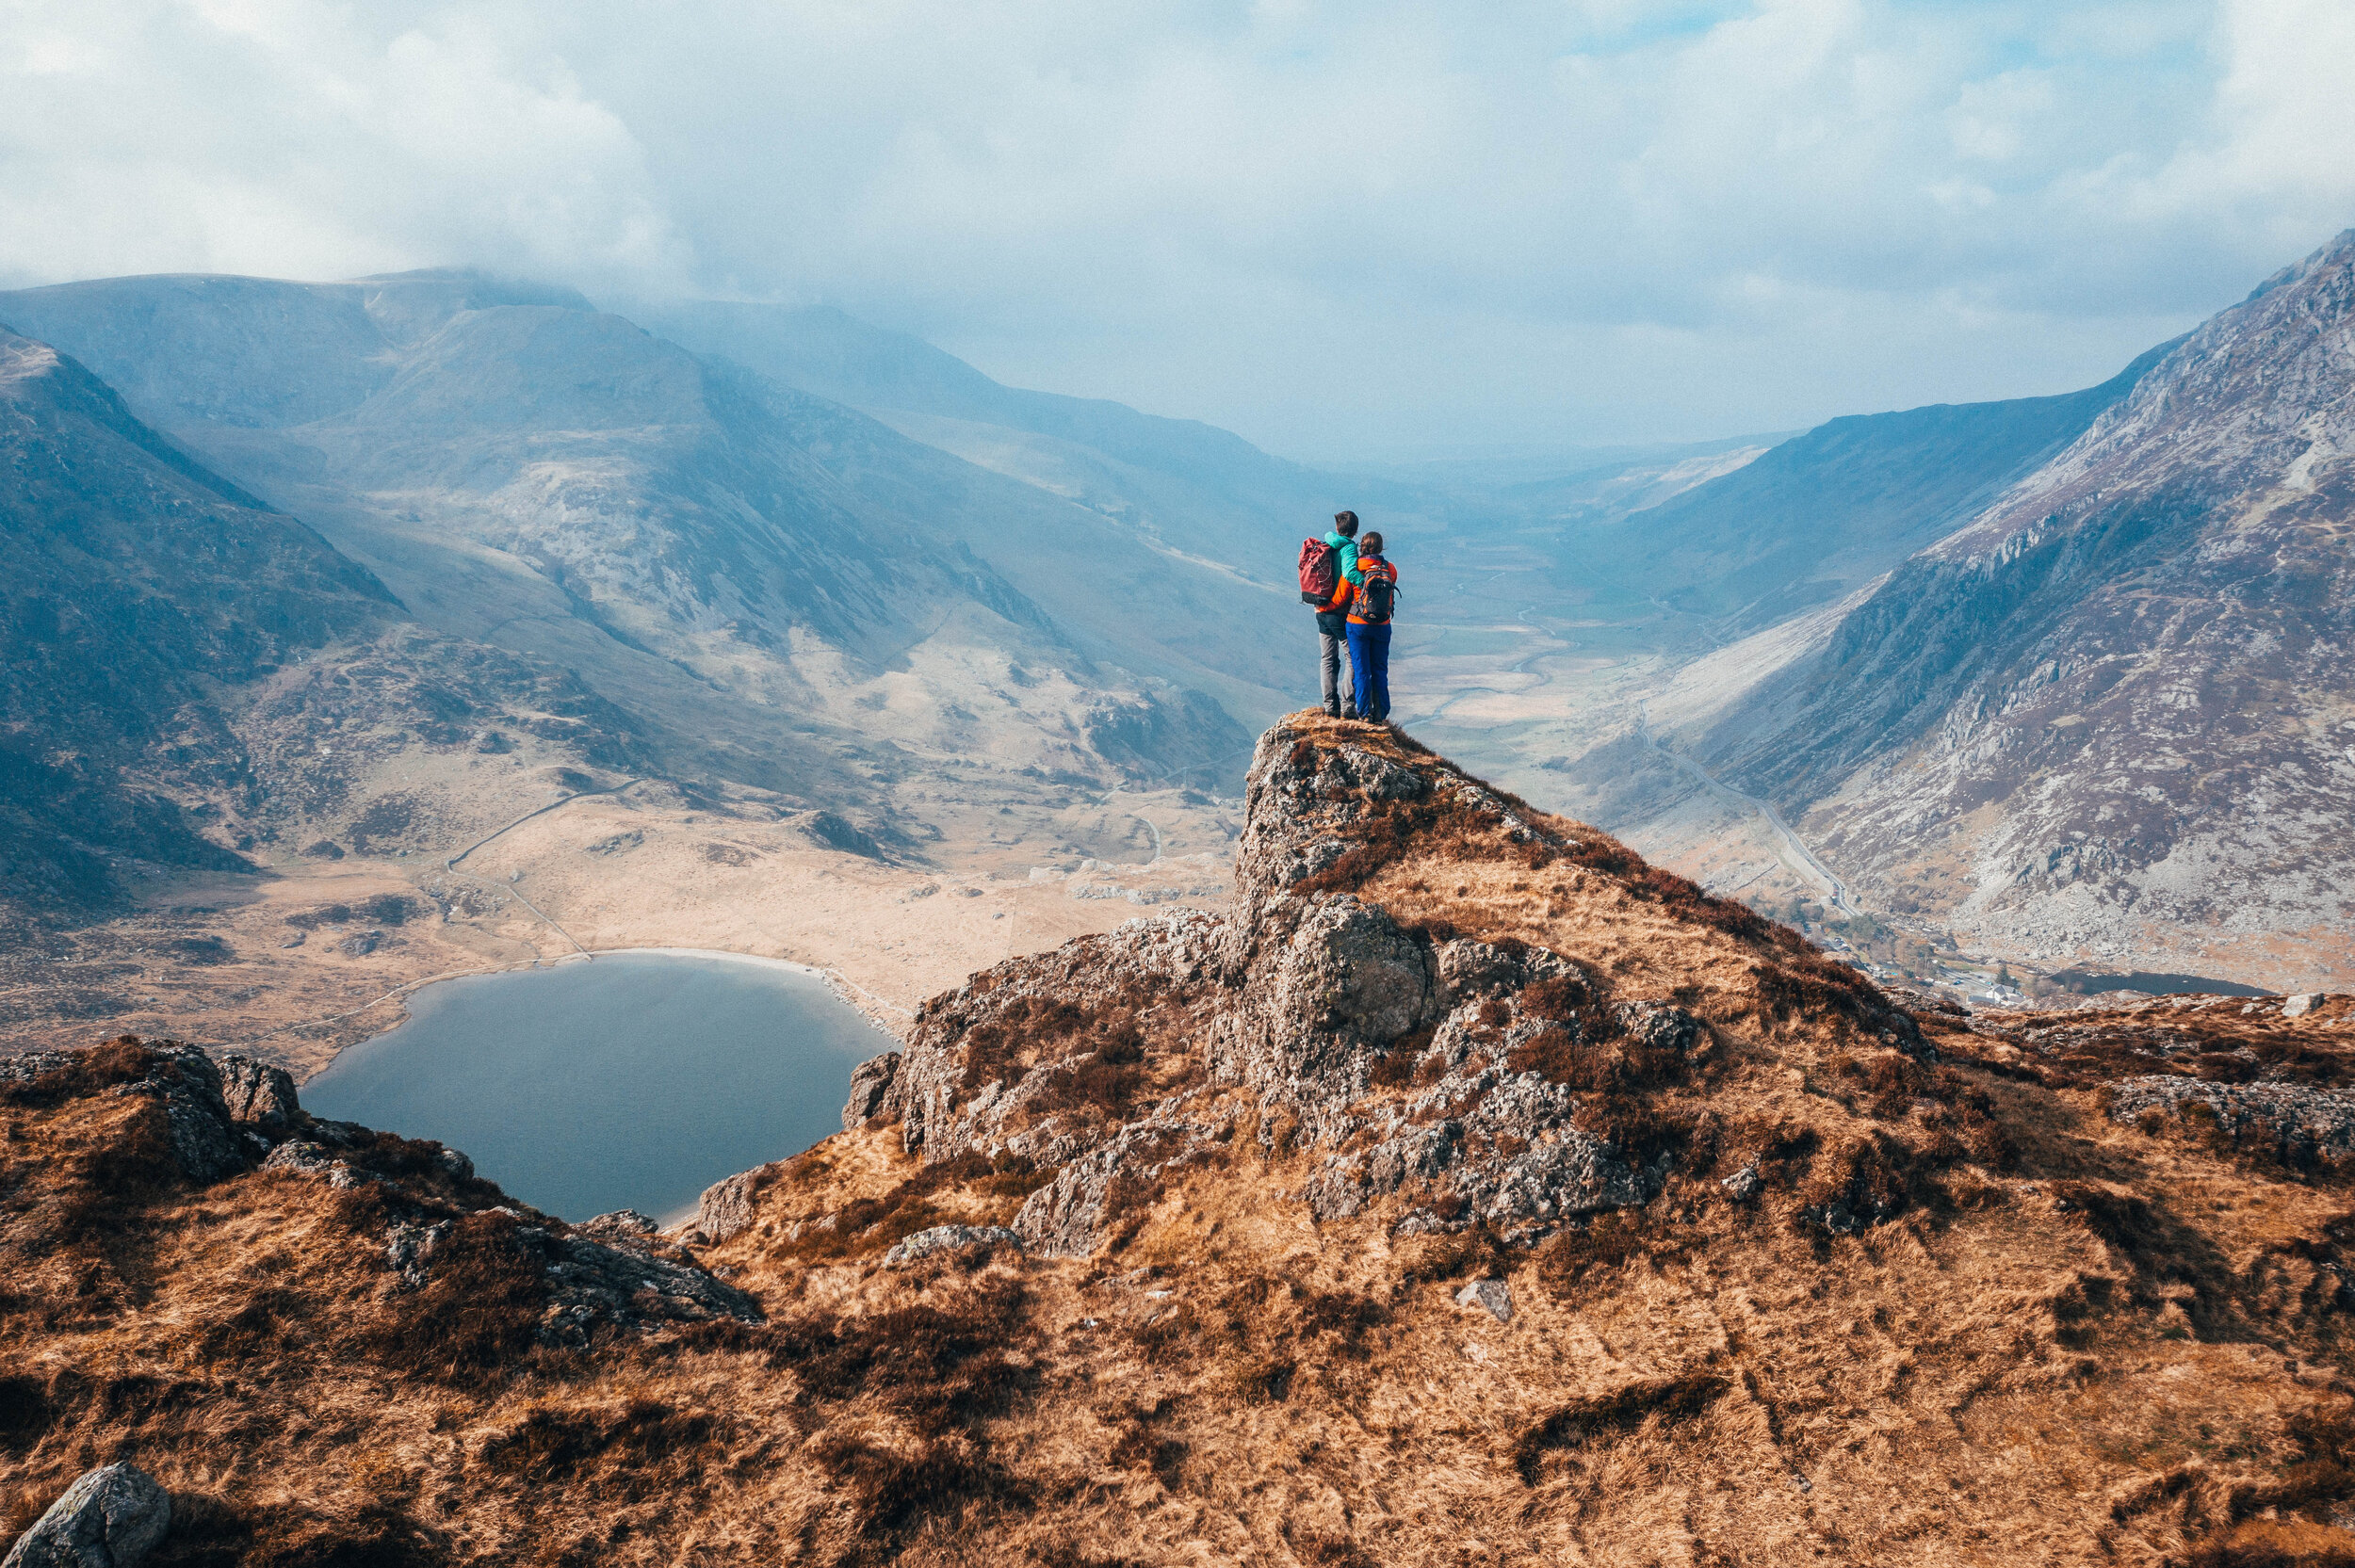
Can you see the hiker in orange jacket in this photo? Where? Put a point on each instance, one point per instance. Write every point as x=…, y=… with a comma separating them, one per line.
x=1370, y=600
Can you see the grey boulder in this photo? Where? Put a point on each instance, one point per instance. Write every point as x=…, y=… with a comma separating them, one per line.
x=621, y=1225
x=870, y=1081
x=1491, y=1294
x=111, y=1517
x=1350, y=966
x=726, y=1209
x=951, y=1238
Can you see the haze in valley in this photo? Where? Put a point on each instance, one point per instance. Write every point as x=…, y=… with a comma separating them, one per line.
x=1817, y=1032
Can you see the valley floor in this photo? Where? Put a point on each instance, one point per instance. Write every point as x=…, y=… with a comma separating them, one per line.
x=312, y=956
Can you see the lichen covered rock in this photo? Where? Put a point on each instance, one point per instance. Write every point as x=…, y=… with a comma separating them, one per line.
x=941, y=1240
x=258, y=1096
x=1118, y=1058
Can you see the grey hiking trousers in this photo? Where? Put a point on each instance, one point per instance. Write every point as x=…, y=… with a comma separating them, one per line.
x=1336, y=671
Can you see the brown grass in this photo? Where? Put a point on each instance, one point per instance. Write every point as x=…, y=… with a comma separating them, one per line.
x=477, y=1316
x=2059, y=1341
x=970, y=1189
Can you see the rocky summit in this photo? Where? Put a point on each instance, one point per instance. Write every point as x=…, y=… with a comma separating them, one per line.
x=1472, y=1190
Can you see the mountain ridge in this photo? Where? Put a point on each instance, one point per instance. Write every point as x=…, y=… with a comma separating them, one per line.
x=1861, y=494
x=534, y=472
x=2108, y=715
x=117, y=553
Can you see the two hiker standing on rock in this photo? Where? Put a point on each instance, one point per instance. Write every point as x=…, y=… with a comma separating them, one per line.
x=1353, y=591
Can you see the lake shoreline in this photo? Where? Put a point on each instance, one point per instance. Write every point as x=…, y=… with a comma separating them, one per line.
x=632, y=1079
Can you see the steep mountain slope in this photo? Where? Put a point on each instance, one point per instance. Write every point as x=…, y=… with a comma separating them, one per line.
x=189, y=674
x=700, y=544
x=133, y=586
x=2111, y=716
x=1820, y=515
x=1474, y=1191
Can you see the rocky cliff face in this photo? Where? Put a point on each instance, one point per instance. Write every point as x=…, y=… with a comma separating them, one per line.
x=2109, y=716
x=1473, y=1188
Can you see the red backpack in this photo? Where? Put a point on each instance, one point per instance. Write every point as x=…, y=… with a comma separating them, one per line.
x=1320, y=571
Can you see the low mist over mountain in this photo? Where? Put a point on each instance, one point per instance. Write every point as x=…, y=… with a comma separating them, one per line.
x=1189, y=484
x=2114, y=713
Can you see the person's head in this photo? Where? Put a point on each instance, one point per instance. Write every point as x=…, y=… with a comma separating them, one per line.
x=1345, y=524
x=1371, y=544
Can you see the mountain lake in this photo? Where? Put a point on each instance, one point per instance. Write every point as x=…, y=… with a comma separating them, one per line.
x=631, y=1081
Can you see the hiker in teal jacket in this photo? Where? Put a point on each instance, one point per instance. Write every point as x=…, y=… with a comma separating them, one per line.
x=1333, y=620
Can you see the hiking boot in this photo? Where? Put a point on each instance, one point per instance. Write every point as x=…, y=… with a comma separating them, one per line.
x=1332, y=710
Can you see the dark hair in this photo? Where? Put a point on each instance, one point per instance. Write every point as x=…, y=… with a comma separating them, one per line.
x=1345, y=524
x=1371, y=544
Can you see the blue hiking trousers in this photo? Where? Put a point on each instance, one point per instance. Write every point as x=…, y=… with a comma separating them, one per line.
x=1370, y=669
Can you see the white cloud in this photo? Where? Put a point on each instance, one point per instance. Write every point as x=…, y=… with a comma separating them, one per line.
x=271, y=136
x=2274, y=151
x=1329, y=225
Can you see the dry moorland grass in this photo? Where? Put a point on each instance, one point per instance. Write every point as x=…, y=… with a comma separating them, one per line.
x=2061, y=1339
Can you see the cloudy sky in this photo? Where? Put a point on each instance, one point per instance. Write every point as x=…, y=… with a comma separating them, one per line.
x=1343, y=229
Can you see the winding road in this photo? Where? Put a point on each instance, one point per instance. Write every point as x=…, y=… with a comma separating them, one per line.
x=1799, y=857
x=513, y=883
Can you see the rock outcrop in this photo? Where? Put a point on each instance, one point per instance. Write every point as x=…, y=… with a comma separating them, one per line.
x=1450, y=1080
x=111, y=1517
x=1481, y=1189
x=220, y=1120
x=951, y=1238
x=2298, y=1123
x=181, y=1081
x=870, y=1081
x=726, y=1209
x=627, y=1281
x=258, y=1094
